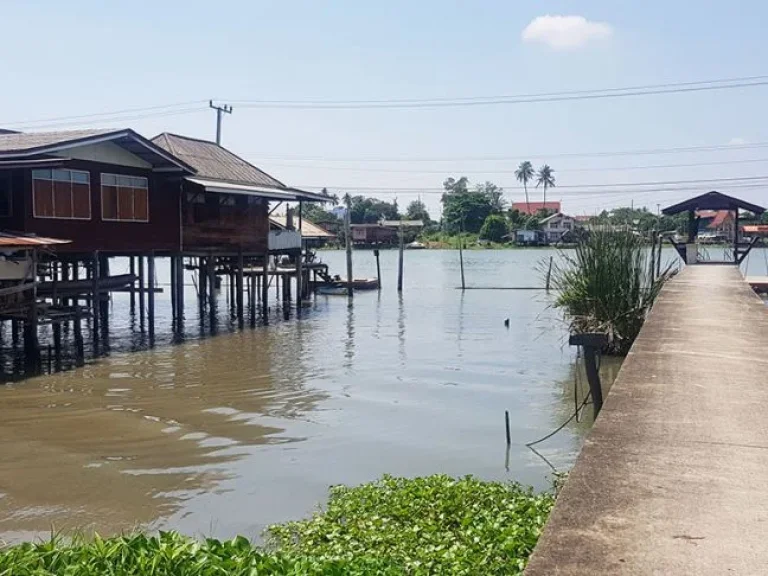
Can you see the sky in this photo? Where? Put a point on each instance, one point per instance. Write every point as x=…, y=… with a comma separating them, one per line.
x=85, y=58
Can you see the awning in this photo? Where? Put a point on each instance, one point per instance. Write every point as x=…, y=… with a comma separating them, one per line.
x=285, y=194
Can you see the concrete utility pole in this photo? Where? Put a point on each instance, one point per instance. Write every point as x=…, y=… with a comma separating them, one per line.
x=220, y=111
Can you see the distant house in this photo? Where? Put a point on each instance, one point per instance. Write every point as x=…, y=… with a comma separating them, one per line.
x=383, y=232
x=311, y=233
x=531, y=238
x=716, y=224
x=533, y=208
x=557, y=226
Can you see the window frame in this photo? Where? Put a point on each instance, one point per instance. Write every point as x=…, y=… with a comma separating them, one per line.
x=53, y=194
x=117, y=187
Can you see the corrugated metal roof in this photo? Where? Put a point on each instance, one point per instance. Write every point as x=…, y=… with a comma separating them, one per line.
x=308, y=229
x=213, y=161
x=223, y=187
x=23, y=141
x=532, y=208
x=10, y=240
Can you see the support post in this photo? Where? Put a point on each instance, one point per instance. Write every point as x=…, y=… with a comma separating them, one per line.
x=31, y=343
x=151, y=296
x=660, y=243
x=400, y=261
x=652, y=259
x=299, y=276
x=549, y=274
x=173, y=289
x=239, y=287
x=592, y=343
x=378, y=266
x=264, y=286
x=141, y=292
x=132, y=288
x=461, y=259
x=95, y=296
x=211, y=272
x=180, y=293
x=252, y=298
x=348, y=242
x=736, y=236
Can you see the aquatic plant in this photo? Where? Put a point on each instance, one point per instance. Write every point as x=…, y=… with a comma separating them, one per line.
x=431, y=525
x=395, y=526
x=606, y=284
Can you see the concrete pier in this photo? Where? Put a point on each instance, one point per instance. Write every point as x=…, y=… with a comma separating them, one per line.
x=673, y=478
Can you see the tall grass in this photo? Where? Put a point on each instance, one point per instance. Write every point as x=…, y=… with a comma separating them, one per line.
x=607, y=285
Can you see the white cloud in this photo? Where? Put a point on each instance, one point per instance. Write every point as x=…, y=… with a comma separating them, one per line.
x=565, y=32
x=736, y=141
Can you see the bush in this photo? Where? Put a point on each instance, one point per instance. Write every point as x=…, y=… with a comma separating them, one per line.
x=606, y=285
x=393, y=527
x=494, y=228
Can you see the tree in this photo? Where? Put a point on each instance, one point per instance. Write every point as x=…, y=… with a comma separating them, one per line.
x=525, y=174
x=370, y=210
x=417, y=210
x=494, y=228
x=495, y=195
x=546, y=179
x=462, y=208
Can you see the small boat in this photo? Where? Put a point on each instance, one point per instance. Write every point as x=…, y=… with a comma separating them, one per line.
x=415, y=246
x=332, y=290
x=362, y=283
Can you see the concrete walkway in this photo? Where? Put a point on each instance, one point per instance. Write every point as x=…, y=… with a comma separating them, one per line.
x=673, y=478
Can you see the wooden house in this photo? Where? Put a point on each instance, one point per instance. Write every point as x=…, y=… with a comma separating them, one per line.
x=225, y=203
x=106, y=190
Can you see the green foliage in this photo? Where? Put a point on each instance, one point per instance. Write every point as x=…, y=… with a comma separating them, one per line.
x=494, y=228
x=467, y=209
x=545, y=178
x=370, y=210
x=417, y=210
x=525, y=174
x=432, y=525
x=606, y=285
x=393, y=527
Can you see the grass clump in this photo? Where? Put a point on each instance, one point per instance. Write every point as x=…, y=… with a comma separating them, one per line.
x=423, y=526
x=432, y=525
x=607, y=285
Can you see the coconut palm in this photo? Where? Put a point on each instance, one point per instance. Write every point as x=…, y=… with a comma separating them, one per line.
x=546, y=179
x=525, y=174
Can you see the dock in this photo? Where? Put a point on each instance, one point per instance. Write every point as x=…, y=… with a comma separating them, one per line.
x=673, y=477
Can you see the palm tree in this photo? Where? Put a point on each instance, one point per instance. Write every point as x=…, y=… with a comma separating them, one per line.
x=524, y=174
x=546, y=178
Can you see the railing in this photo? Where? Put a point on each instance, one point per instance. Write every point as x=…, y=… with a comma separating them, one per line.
x=284, y=240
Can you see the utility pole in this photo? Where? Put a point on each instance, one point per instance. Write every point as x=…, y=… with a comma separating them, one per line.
x=220, y=111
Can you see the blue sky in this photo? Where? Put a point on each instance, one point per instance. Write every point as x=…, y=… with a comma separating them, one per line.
x=80, y=57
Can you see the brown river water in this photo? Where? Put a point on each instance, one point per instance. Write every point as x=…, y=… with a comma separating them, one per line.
x=222, y=435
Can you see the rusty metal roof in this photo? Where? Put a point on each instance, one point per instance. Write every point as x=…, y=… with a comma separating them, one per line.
x=14, y=240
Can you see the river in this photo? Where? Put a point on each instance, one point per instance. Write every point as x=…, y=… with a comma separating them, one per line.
x=224, y=435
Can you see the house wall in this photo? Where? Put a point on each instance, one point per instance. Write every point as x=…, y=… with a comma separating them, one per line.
x=160, y=233
x=215, y=225
x=15, y=222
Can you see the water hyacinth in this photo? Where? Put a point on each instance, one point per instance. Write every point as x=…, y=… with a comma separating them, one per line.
x=423, y=526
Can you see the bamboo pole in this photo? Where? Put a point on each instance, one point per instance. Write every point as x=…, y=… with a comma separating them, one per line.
x=400, y=261
x=348, y=239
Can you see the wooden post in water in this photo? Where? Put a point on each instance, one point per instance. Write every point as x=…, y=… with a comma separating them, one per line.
x=151, y=296
x=180, y=294
x=652, y=258
x=378, y=267
x=265, y=287
x=31, y=343
x=658, y=254
x=141, y=292
x=239, y=288
x=400, y=261
x=299, y=278
x=348, y=242
x=95, y=296
x=132, y=287
x=592, y=343
x=506, y=422
x=461, y=259
x=549, y=273
x=173, y=290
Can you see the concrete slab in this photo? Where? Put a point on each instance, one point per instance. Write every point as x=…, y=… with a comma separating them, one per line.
x=673, y=478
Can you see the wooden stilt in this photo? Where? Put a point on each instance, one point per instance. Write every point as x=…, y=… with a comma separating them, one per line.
x=211, y=270
x=252, y=298
x=348, y=242
x=378, y=267
x=151, y=296
x=400, y=262
x=172, y=264
x=180, y=294
x=202, y=280
x=95, y=312
x=239, y=288
x=141, y=292
x=265, y=287
x=31, y=343
x=299, y=281
x=132, y=288
x=57, y=344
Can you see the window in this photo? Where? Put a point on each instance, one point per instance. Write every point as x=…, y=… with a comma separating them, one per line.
x=5, y=194
x=124, y=198
x=61, y=194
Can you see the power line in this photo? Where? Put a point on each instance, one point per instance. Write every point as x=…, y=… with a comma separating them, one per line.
x=648, y=90
x=114, y=119
x=60, y=119
x=512, y=171
x=602, y=154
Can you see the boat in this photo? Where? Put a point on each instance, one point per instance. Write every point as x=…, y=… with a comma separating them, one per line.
x=332, y=290
x=415, y=246
x=362, y=283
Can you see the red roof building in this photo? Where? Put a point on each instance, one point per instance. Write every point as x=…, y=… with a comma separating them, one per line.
x=533, y=208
